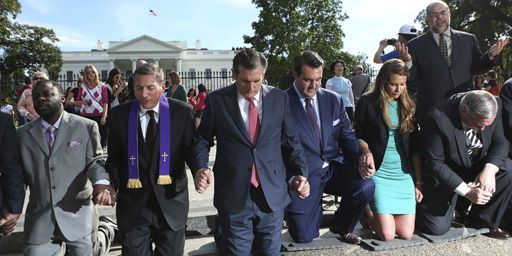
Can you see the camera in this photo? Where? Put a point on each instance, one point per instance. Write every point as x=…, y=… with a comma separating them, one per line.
x=391, y=41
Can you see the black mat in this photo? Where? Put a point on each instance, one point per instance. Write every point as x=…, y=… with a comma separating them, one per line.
x=378, y=245
x=454, y=234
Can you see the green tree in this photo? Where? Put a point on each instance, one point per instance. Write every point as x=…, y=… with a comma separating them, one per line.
x=487, y=20
x=24, y=48
x=286, y=28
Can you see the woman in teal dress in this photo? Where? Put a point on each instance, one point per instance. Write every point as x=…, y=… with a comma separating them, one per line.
x=385, y=128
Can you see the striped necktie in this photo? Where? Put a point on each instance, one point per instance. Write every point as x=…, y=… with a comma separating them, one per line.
x=473, y=143
x=444, y=48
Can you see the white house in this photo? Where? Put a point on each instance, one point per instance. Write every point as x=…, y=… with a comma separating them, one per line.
x=192, y=63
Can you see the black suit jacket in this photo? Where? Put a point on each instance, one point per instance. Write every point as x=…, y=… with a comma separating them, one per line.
x=444, y=141
x=431, y=75
x=371, y=128
x=12, y=185
x=172, y=199
x=506, y=97
x=278, y=144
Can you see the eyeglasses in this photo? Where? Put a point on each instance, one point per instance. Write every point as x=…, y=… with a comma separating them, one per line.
x=38, y=78
x=443, y=13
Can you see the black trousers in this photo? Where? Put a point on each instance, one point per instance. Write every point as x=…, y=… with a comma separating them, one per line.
x=151, y=227
x=435, y=213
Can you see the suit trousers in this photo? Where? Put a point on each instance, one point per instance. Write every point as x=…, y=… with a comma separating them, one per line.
x=80, y=247
x=434, y=214
x=151, y=227
x=339, y=180
x=255, y=229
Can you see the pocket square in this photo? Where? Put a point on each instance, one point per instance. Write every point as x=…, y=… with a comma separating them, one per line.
x=74, y=143
x=335, y=122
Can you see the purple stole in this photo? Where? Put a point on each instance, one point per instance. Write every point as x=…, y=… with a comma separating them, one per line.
x=164, y=176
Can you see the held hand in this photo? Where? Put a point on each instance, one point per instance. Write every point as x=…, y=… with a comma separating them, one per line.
x=300, y=185
x=103, y=120
x=486, y=180
x=403, y=51
x=104, y=195
x=478, y=196
x=8, y=223
x=366, y=165
x=419, y=194
x=498, y=46
x=203, y=179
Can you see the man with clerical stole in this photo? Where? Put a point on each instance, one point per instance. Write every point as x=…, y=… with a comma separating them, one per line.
x=148, y=145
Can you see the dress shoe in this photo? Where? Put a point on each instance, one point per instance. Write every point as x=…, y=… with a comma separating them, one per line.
x=346, y=237
x=498, y=234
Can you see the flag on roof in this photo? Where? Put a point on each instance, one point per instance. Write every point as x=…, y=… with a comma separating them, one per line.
x=154, y=13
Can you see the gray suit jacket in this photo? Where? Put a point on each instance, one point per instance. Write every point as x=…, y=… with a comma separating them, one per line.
x=60, y=181
x=431, y=75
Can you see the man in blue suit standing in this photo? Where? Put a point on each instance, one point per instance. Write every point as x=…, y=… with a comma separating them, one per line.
x=256, y=139
x=331, y=151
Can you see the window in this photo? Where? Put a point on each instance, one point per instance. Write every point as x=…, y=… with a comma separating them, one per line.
x=69, y=76
x=224, y=72
x=208, y=73
x=104, y=75
x=192, y=73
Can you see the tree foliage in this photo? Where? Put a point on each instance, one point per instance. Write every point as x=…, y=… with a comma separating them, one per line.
x=487, y=20
x=286, y=28
x=25, y=48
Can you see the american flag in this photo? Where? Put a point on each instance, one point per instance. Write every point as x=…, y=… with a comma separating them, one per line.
x=154, y=13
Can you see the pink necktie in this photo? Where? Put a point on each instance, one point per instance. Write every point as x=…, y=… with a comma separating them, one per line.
x=254, y=128
x=50, y=134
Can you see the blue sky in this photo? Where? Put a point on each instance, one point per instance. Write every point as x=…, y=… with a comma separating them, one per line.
x=219, y=24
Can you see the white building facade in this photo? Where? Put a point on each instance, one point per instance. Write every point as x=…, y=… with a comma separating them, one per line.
x=195, y=65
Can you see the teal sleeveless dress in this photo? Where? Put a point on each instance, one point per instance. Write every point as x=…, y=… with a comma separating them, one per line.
x=394, y=187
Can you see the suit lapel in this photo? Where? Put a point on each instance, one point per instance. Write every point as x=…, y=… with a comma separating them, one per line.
x=36, y=131
x=431, y=42
x=233, y=109
x=267, y=104
x=460, y=137
x=63, y=133
x=300, y=114
x=455, y=37
x=325, y=120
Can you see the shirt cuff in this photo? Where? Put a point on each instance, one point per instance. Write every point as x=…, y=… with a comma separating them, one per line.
x=462, y=189
x=493, y=167
x=102, y=182
x=409, y=64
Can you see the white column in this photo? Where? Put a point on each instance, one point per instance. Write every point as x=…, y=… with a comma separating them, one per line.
x=112, y=64
x=134, y=65
x=157, y=61
x=178, y=65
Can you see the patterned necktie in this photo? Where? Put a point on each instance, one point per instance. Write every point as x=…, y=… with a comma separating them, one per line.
x=473, y=143
x=444, y=48
x=50, y=136
x=313, y=120
x=151, y=131
x=254, y=129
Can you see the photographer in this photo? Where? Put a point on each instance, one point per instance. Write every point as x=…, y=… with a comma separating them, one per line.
x=406, y=33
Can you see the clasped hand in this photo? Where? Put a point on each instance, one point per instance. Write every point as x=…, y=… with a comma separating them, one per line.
x=104, y=195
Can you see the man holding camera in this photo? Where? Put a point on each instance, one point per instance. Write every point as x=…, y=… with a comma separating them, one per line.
x=406, y=33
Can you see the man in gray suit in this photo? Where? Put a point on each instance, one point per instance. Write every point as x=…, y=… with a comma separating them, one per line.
x=443, y=60
x=62, y=158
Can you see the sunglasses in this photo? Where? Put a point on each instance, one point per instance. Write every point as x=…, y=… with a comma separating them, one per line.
x=38, y=78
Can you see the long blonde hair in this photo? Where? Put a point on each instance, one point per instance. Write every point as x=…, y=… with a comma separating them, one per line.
x=406, y=106
x=97, y=78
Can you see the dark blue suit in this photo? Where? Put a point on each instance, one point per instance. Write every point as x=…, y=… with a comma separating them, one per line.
x=12, y=183
x=339, y=178
x=240, y=205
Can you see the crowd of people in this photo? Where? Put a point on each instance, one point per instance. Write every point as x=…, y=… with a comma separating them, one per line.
x=408, y=163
